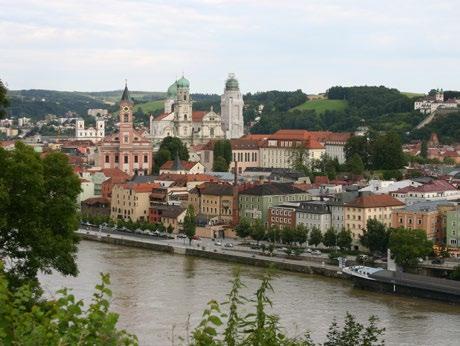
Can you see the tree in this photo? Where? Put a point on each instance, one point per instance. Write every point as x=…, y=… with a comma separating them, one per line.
x=38, y=214
x=387, y=152
x=424, y=149
x=355, y=165
x=344, y=239
x=220, y=165
x=190, y=223
x=449, y=161
x=4, y=103
x=170, y=229
x=300, y=159
x=243, y=229
x=301, y=234
x=330, y=237
x=273, y=234
x=258, y=230
x=455, y=274
x=357, y=145
x=408, y=245
x=375, y=237
x=175, y=147
x=223, y=148
x=315, y=237
x=288, y=235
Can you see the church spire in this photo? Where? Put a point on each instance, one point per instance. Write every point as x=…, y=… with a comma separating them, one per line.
x=125, y=96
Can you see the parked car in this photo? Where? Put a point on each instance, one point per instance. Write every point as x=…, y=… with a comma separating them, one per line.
x=218, y=243
x=195, y=237
x=138, y=231
x=181, y=236
x=228, y=245
x=438, y=261
x=308, y=250
x=316, y=252
x=156, y=233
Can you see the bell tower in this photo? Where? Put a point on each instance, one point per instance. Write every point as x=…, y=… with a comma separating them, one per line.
x=126, y=118
x=183, y=109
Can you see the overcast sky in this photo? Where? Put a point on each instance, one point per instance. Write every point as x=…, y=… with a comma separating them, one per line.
x=87, y=45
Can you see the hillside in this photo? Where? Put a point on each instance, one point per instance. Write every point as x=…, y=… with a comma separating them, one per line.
x=320, y=106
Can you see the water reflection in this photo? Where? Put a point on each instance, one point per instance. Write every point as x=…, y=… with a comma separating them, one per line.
x=154, y=292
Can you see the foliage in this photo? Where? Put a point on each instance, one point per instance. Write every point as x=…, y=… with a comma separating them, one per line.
x=455, y=274
x=223, y=148
x=357, y=146
x=243, y=229
x=330, y=237
x=27, y=319
x=390, y=174
x=344, y=239
x=220, y=165
x=447, y=127
x=38, y=215
x=407, y=245
x=356, y=165
x=3, y=99
x=323, y=105
x=190, y=223
x=260, y=328
x=258, y=230
x=173, y=146
x=375, y=237
x=315, y=237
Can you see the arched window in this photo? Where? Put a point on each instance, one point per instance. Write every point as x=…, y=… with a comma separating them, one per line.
x=185, y=116
x=185, y=97
x=211, y=131
x=126, y=117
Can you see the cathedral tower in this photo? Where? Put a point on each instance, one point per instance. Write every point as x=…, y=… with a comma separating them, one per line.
x=232, y=109
x=183, y=109
x=126, y=118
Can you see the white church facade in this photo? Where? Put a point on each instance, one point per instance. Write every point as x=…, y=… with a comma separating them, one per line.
x=198, y=127
x=93, y=134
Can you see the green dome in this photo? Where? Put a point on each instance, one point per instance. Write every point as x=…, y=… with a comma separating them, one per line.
x=172, y=90
x=183, y=83
x=232, y=83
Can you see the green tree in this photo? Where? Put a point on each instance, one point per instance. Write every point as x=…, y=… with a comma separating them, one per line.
x=4, y=102
x=315, y=237
x=455, y=274
x=407, y=245
x=243, y=229
x=223, y=148
x=375, y=237
x=424, y=149
x=301, y=234
x=190, y=223
x=387, y=152
x=357, y=145
x=356, y=165
x=162, y=156
x=330, y=237
x=344, y=239
x=27, y=319
x=175, y=147
x=274, y=234
x=38, y=214
x=300, y=159
x=449, y=161
x=170, y=229
x=220, y=165
x=288, y=235
x=258, y=230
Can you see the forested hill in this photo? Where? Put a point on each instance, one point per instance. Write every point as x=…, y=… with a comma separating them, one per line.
x=345, y=109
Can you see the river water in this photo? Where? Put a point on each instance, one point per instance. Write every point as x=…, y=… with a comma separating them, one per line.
x=155, y=293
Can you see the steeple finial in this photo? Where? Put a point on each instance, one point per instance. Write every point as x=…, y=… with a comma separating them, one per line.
x=125, y=96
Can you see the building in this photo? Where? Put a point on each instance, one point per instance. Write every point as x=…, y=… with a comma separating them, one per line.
x=131, y=201
x=168, y=215
x=283, y=216
x=213, y=202
x=386, y=186
x=96, y=206
x=231, y=106
x=314, y=214
x=179, y=119
x=432, y=103
x=128, y=149
x=432, y=191
x=98, y=112
x=114, y=176
x=255, y=201
x=453, y=231
x=93, y=134
x=358, y=211
x=181, y=167
x=429, y=216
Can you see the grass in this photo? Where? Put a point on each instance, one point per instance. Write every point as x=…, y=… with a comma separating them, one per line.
x=320, y=106
x=151, y=106
x=409, y=94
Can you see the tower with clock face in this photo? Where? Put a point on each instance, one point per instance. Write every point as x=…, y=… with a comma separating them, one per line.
x=126, y=118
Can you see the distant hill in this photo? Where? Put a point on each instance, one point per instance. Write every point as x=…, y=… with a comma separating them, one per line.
x=320, y=106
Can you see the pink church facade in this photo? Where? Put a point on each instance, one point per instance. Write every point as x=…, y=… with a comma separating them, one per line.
x=127, y=150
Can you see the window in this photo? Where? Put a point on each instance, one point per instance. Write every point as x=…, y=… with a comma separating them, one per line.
x=116, y=158
x=146, y=158
x=126, y=159
x=211, y=131
x=126, y=117
x=400, y=220
x=107, y=159
x=135, y=159
x=419, y=221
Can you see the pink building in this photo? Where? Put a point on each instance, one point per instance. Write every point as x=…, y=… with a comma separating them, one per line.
x=127, y=150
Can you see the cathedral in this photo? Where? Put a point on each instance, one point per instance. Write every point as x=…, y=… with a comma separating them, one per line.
x=198, y=127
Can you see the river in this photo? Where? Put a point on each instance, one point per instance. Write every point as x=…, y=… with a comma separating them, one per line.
x=155, y=292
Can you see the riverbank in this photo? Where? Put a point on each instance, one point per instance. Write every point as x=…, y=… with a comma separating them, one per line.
x=221, y=254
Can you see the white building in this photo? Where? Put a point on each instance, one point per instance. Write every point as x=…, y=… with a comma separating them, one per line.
x=430, y=104
x=232, y=109
x=90, y=133
x=98, y=112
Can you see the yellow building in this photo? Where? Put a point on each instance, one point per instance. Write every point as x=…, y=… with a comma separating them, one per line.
x=130, y=201
x=363, y=208
x=213, y=202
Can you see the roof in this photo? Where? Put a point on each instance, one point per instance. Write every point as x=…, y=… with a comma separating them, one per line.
x=186, y=177
x=427, y=206
x=125, y=96
x=242, y=144
x=95, y=201
x=197, y=116
x=161, y=116
x=272, y=189
x=373, y=201
x=115, y=173
x=178, y=165
x=215, y=189
x=434, y=186
x=169, y=211
x=140, y=187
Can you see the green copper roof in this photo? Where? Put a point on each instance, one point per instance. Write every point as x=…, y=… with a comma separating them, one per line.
x=183, y=83
x=172, y=90
x=232, y=83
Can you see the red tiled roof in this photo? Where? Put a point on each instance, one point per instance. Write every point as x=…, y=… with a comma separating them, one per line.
x=186, y=165
x=140, y=187
x=96, y=200
x=187, y=177
x=434, y=186
x=161, y=116
x=321, y=179
x=197, y=116
x=374, y=201
x=114, y=173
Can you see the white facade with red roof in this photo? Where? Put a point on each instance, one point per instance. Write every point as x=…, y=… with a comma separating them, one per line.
x=436, y=190
x=179, y=119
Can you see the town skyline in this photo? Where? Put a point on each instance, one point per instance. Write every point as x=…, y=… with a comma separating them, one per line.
x=295, y=45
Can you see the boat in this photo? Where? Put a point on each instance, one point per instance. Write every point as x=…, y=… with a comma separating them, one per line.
x=395, y=282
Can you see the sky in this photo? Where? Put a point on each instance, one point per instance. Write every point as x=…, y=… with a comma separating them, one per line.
x=88, y=45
